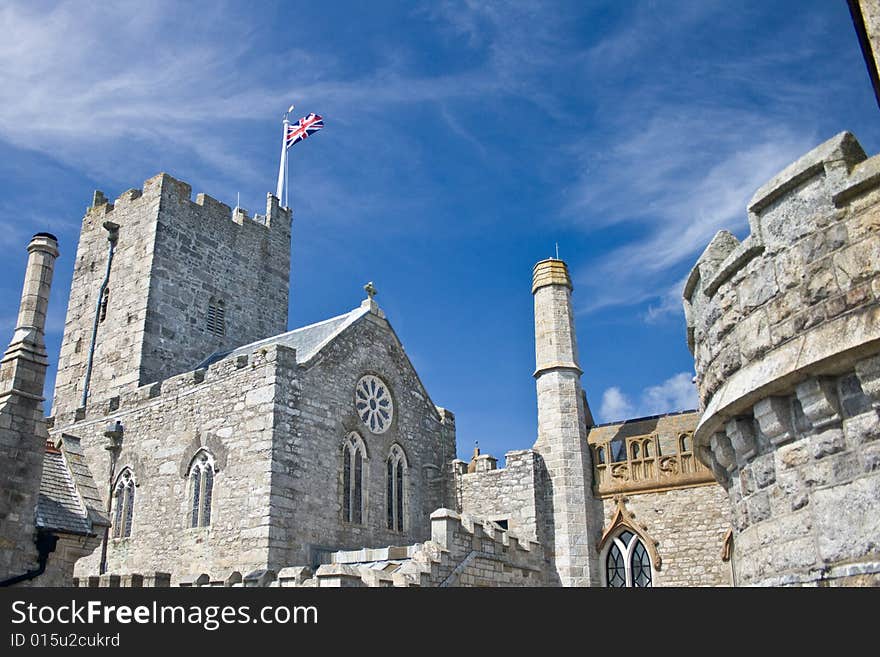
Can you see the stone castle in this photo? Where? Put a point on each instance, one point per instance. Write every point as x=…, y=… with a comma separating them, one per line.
x=195, y=441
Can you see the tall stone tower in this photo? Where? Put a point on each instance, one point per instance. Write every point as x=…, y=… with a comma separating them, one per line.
x=23, y=432
x=161, y=282
x=574, y=518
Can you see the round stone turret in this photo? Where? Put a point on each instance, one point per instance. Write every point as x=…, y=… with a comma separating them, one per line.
x=785, y=332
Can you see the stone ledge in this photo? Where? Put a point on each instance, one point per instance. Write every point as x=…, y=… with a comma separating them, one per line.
x=842, y=147
x=830, y=348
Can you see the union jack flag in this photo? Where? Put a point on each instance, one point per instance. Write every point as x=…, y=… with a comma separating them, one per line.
x=303, y=128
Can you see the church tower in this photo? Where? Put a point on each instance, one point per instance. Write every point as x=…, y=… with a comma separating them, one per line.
x=574, y=517
x=23, y=432
x=161, y=282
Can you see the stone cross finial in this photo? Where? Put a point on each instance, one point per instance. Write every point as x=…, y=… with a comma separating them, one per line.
x=370, y=289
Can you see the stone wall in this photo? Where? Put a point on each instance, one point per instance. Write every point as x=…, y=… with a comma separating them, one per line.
x=462, y=552
x=689, y=526
x=785, y=328
x=228, y=409
x=511, y=493
x=318, y=413
x=275, y=427
x=172, y=258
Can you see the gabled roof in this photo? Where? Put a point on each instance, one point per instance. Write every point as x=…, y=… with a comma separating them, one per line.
x=68, y=500
x=307, y=340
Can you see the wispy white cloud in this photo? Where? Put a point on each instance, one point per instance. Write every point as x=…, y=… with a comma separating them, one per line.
x=681, y=152
x=615, y=405
x=676, y=393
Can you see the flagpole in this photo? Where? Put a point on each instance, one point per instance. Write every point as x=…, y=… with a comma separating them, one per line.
x=283, y=162
x=286, y=184
x=282, y=165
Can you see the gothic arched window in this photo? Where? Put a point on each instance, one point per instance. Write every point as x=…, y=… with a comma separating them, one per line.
x=684, y=443
x=354, y=455
x=201, y=487
x=123, y=500
x=396, y=479
x=628, y=562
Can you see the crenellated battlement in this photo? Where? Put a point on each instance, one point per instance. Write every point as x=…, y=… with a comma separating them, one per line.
x=188, y=277
x=803, y=277
x=205, y=208
x=785, y=331
x=463, y=551
x=230, y=369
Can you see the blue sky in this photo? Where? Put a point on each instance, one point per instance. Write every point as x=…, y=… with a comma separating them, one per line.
x=462, y=140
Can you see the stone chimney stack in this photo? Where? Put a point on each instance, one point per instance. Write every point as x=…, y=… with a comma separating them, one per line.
x=24, y=363
x=575, y=519
x=23, y=432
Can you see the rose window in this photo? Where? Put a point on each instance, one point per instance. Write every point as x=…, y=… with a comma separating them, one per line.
x=373, y=403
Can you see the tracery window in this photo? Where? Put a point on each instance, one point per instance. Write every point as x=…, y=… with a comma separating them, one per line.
x=123, y=500
x=201, y=486
x=628, y=563
x=373, y=403
x=354, y=456
x=396, y=478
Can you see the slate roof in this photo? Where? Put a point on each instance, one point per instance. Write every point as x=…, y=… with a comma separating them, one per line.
x=68, y=500
x=307, y=340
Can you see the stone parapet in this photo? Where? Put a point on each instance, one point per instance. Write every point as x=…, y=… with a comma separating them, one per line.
x=799, y=296
x=463, y=551
x=648, y=454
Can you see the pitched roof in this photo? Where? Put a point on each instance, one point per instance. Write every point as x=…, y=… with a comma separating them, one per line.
x=68, y=500
x=307, y=340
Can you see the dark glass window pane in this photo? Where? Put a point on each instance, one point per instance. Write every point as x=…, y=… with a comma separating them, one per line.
x=209, y=490
x=196, y=495
x=390, y=494
x=129, y=507
x=641, y=565
x=399, y=497
x=117, y=518
x=358, y=484
x=600, y=455
x=346, y=484
x=618, y=451
x=635, y=450
x=614, y=568
x=626, y=537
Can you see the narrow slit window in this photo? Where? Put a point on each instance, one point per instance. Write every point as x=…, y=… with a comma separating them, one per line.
x=216, y=319
x=105, y=299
